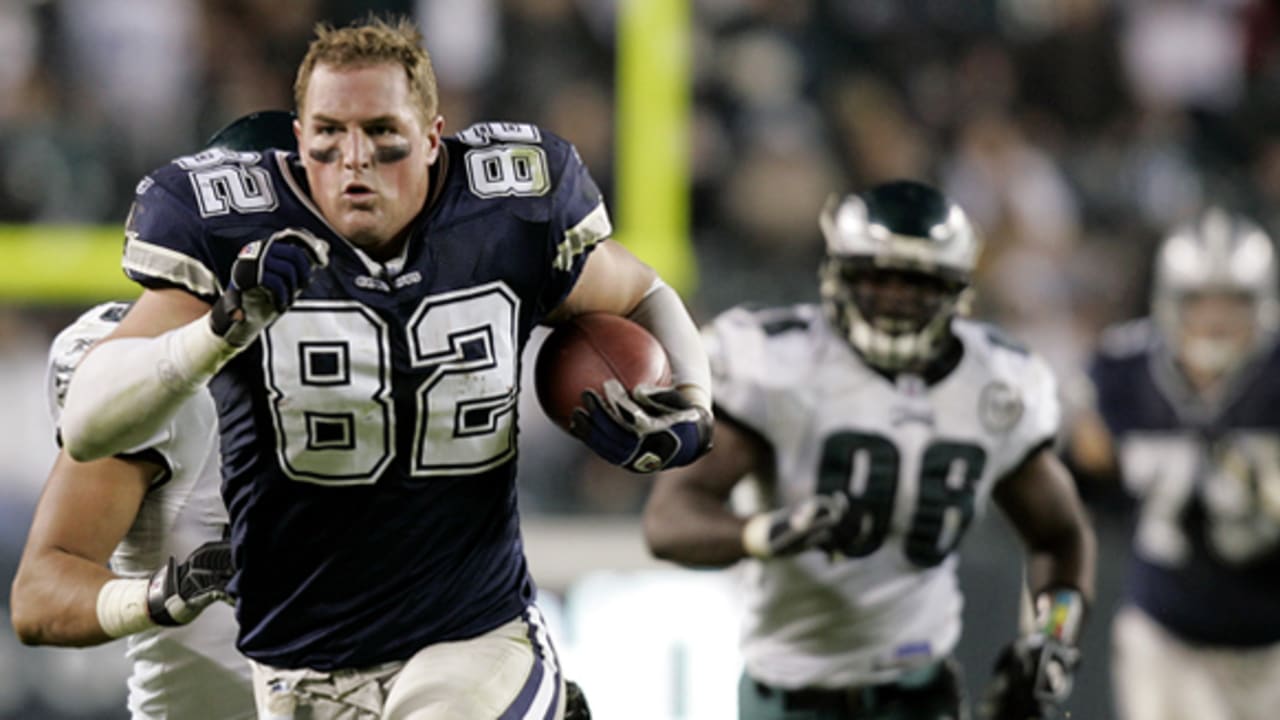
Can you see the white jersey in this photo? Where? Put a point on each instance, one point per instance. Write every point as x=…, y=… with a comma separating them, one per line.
x=194, y=670
x=919, y=461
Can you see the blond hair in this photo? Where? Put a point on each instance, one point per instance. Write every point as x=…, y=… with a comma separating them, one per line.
x=372, y=41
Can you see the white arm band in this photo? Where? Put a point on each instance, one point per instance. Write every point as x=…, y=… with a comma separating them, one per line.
x=755, y=535
x=662, y=313
x=122, y=607
x=126, y=389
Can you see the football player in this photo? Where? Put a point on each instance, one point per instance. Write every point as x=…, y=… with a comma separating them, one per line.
x=873, y=430
x=140, y=509
x=1188, y=414
x=358, y=309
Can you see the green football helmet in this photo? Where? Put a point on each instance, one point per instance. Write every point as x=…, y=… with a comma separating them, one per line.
x=255, y=132
x=898, y=264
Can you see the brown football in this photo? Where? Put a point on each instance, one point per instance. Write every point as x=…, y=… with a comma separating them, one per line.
x=587, y=350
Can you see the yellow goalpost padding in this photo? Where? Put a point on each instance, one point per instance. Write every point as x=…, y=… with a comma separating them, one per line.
x=62, y=264
x=653, y=136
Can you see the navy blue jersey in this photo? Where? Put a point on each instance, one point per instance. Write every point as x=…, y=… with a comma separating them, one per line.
x=369, y=435
x=1206, y=555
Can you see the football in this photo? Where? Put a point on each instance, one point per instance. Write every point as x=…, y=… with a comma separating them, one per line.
x=589, y=349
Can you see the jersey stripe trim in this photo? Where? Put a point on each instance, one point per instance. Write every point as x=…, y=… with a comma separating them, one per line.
x=540, y=695
x=592, y=229
x=151, y=260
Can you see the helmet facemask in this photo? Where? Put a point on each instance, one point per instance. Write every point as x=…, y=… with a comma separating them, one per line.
x=897, y=270
x=895, y=319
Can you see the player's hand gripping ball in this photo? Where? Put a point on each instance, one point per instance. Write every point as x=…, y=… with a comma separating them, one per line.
x=607, y=380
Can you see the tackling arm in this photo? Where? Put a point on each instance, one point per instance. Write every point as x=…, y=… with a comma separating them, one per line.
x=64, y=595
x=85, y=510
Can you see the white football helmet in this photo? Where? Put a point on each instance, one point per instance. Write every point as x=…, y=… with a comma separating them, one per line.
x=1218, y=252
x=912, y=234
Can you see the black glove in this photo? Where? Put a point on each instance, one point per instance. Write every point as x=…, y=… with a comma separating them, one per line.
x=265, y=280
x=647, y=430
x=575, y=703
x=1033, y=678
x=178, y=593
x=804, y=526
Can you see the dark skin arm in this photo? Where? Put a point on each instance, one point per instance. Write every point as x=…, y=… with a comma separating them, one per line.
x=686, y=519
x=1041, y=502
x=85, y=510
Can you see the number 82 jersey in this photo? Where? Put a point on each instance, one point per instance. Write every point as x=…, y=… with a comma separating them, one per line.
x=918, y=461
x=368, y=437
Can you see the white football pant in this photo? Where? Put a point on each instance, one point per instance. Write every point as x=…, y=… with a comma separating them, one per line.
x=508, y=673
x=1157, y=676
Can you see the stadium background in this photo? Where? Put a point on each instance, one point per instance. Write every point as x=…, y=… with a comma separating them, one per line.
x=1072, y=130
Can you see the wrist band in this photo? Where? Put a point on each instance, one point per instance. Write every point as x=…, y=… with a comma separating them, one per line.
x=755, y=535
x=1059, y=614
x=663, y=314
x=122, y=607
x=193, y=354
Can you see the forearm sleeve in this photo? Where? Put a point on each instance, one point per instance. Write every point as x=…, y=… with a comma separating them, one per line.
x=662, y=313
x=126, y=389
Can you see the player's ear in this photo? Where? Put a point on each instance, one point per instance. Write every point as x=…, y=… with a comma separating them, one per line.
x=297, y=130
x=433, y=131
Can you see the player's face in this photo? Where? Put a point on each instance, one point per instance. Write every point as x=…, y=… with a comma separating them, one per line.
x=1217, y=330
x=897, y=301
x=367, y=152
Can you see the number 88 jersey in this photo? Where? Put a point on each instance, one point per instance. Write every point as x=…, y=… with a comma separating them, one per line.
x=369, y=436
x=918, y=461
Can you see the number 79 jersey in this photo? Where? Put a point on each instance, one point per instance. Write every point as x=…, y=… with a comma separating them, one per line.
x=1206, y=544
x=369, y=435
x=918, y=461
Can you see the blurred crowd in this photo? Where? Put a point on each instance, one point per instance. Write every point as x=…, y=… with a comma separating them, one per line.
x=1073, y=130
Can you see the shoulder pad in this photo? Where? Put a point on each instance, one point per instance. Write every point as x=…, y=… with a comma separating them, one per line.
x=481, y=134
x=534, y=172
x=988, y=338
x=761, y=344
x=999, y=337
x=70, y=346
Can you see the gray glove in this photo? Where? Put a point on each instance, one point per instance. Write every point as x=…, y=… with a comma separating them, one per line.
x=1032, y=679
x=178, y=593
x=792, y=530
